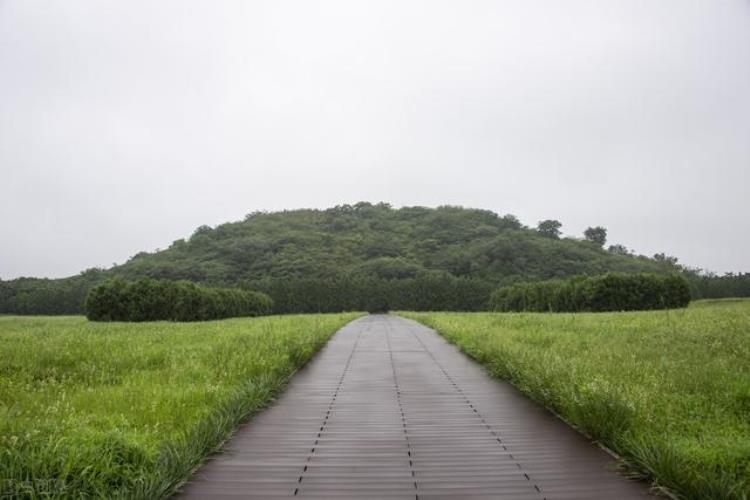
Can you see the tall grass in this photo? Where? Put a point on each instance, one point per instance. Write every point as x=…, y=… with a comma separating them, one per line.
x=123, y=410
x=668, y=390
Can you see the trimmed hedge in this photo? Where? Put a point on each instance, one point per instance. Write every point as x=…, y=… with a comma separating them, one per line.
x=151, y=300
x=426, y=292
x=608, y=292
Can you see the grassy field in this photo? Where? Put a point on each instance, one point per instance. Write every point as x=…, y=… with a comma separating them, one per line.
x=668, y=390
x=118, y=409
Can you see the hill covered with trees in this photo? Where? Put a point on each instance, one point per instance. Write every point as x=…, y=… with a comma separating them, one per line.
x=377, y=240
x=365, y=243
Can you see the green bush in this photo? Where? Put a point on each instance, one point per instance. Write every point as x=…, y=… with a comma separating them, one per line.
x=608, y=292
x=152, y=300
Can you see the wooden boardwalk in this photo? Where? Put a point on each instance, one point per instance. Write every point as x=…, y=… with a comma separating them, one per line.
x=388, y=409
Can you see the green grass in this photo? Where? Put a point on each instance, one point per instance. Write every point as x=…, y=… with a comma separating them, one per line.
x=128, y=410
x=668, y=390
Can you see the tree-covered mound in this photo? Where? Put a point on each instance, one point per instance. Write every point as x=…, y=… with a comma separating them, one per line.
x=367, y=241
x=377, y=240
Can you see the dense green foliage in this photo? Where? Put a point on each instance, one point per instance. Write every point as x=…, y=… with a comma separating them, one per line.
x=111, y=410
x=549, y=228
x=47, y=296
x=362, y=241
x=596, y=235
x=717, y=287
x=607, y=292
x=377, y=240
x=425, y=292
x=151, y=300
x=667, y=390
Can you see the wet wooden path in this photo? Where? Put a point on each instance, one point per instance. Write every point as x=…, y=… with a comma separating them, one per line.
x=388, y=409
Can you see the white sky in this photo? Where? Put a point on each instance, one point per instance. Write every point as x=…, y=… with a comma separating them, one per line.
x=125, y=125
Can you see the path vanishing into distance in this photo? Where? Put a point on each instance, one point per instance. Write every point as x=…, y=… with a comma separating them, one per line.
x=389, y=409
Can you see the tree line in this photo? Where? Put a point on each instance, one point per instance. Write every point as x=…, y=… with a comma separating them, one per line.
x=45, y=296
x=424, y=292
x=718, y=287
x=608, y=292
x=150, y=300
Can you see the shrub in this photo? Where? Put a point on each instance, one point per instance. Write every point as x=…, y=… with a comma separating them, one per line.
x=608, y=292
x=151, y=300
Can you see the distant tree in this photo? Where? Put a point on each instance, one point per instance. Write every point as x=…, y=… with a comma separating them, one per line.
x=510, y=221
x=204, y=229
x=92, y=272
x=667, y=259
x=618, y=249
x=177, y=243
x=138, y=255
x=596, y=235
x=549, y=228
x=253, y=214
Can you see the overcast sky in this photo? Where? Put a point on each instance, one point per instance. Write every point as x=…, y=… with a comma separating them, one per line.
x=125, y=125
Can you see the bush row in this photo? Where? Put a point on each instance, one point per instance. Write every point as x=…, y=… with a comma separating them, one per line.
x=608, y=292
x=427, y=292
x=149, y=300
